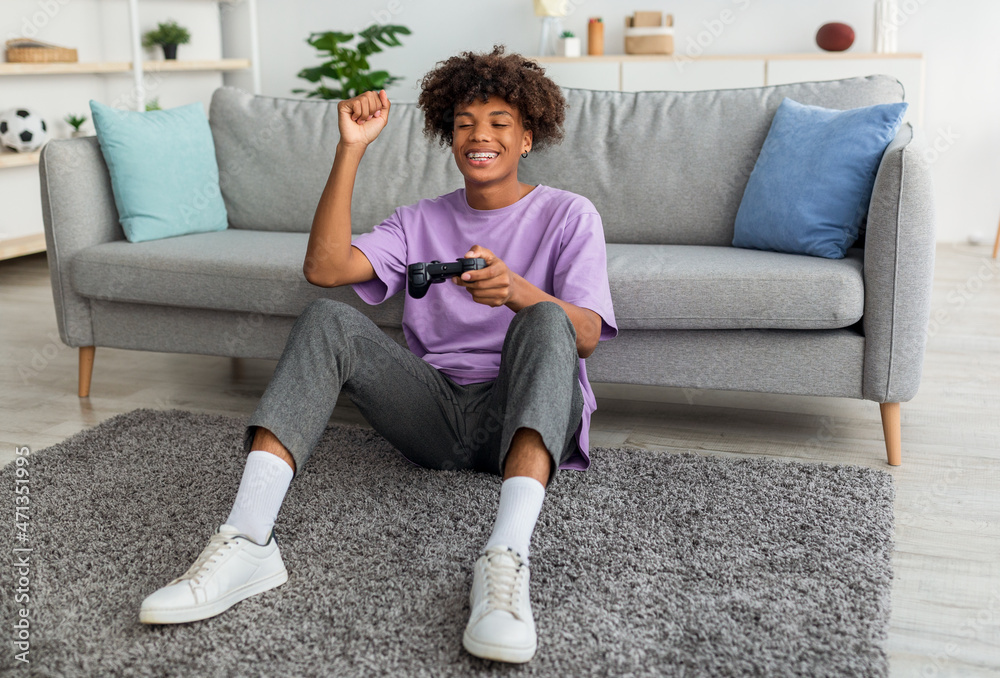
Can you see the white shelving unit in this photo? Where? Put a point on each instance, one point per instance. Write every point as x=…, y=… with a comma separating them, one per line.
x=137, y=62
x=21, y=230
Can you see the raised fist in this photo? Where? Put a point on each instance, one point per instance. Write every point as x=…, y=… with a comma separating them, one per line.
x=363, y=117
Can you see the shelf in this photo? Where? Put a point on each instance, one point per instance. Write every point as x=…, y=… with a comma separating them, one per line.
x=18, y=247
x=12, y=159
x=98, y=67
x=729, y=57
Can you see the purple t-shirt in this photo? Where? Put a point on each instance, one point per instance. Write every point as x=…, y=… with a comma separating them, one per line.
x=554, y=239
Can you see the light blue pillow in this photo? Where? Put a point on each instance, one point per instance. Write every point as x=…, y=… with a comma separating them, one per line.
x=810, y=188
x=163, y=170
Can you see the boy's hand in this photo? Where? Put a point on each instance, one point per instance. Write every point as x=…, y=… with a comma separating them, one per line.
x=362, y=118
x=493, y=285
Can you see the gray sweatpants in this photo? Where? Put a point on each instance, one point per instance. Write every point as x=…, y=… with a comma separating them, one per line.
x=433, y=421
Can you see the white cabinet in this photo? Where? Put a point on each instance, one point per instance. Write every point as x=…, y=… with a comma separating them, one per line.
x=908, y=69
x=690, y=75
x=112, y=69
x=585, y=75
x=679, y=73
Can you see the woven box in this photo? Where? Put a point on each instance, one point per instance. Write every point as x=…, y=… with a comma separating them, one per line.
x=649, y=33
x=24, y=50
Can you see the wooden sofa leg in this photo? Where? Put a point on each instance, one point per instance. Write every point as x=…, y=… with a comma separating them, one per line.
x=86, y=369
x=996, y=243
x=891, y=431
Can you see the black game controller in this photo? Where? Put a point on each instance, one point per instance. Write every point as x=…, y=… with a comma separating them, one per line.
x=420, y=277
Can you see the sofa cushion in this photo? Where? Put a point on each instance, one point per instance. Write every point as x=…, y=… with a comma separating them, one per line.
x=163, y=170
x=671, y=167
x=233, y=270
x=653, y=286
x=731, y=288
x=275, y=156
x=811, y=186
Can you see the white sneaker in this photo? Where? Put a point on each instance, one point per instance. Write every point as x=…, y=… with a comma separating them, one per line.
x=232, y=567
x=500, y=625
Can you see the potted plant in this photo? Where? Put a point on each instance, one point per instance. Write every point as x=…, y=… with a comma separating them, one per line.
x=569, y=44
x=168, y=35
x=75, y=121
x=347, y=66
x=154, y=104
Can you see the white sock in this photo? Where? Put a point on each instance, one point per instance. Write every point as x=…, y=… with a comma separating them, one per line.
x=262, y=489
x=520, y=503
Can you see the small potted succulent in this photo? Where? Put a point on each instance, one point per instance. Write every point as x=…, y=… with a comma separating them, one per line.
x=76, y=121
x=168, y=35
x=569, y=44
x=153, y=104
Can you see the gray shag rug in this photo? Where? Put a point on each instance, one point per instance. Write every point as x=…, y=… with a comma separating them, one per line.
x=649, y=564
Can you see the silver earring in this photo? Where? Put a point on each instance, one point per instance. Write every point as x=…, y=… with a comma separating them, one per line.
x=524, y=155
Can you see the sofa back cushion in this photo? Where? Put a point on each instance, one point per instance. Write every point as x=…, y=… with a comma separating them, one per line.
x=661, y=167
x=275, y=156
x=671, y=167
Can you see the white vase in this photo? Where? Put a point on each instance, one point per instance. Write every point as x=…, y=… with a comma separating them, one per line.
x=569, y=47
x=886, y=26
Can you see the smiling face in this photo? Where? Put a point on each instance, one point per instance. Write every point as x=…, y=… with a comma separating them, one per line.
x=488, y=140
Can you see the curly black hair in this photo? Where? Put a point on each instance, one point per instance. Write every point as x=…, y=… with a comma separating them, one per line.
x=519, y=81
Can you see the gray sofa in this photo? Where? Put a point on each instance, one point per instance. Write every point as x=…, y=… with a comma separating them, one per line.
x=666, y=170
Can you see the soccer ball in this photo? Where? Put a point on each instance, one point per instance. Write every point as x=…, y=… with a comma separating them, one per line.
x=22, y=130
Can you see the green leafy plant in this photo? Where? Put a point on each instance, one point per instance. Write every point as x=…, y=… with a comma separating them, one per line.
x=154, y=104
x=169, y=33
x=348, y=66
x=567, y=34
x=75, y=121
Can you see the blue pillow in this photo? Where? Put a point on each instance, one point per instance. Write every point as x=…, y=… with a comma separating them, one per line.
x=810, y=188
x=163, y=170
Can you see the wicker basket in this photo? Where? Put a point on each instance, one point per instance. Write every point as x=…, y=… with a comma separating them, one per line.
x=24, y=50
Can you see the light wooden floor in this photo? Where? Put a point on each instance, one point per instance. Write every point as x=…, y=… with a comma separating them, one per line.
x=946, y=594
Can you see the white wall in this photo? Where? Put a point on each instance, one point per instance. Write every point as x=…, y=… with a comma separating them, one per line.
x=958, y=39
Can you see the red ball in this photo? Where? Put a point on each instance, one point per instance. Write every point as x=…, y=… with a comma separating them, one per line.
x=835, y=37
